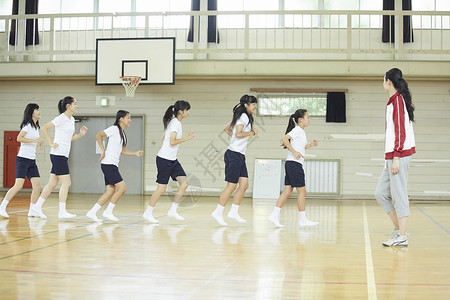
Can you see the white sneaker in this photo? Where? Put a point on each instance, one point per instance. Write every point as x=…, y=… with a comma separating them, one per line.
x=275, y=221
x=237, y=217
x=109, y=216
x=219, y=218
x=93, y=217
x=38, y=211
x=304, y=223
x=150, y=218
x=175, y=215
x=65, y=215
x=3, y=213
x=398, y=240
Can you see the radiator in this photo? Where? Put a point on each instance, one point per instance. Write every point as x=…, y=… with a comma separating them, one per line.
x=321, y=176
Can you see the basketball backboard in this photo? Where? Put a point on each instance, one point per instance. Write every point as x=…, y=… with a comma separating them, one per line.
x=151, y=58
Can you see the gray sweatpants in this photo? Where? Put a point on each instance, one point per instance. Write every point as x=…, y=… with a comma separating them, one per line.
x=392, y=190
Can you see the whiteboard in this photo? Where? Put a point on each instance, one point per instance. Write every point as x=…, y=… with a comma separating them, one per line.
x=267, y=182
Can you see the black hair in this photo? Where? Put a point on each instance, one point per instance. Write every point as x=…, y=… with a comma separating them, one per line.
x=123, y=136
x=240, y=108
x=396, y=77
x=28, y=116
x=172, y=111
x=62, y=104
x=293, y=119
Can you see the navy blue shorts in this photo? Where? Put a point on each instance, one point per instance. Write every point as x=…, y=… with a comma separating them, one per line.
x=235, y=166
x=111, y=173
x=168, y=168
x=295, y=176
x=26, y=167
x=60, y=165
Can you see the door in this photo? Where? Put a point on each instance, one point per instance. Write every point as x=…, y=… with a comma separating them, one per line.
x=10, y=149
x=85, y=171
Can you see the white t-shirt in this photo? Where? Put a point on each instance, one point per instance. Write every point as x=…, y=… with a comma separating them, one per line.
x=114, y=147
x=170, y=152
x=28, y=150
x=298, y=142
x=240, y=144
x=64, y=129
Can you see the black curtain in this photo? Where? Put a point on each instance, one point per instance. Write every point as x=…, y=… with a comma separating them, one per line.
x=336, y=107
x=388, y=33
x=213, y=35
x=31, y=30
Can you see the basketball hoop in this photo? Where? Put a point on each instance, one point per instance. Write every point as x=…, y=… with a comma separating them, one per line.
x=130, y=84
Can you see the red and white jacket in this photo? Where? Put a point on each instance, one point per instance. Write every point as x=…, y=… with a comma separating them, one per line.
x=399, y=140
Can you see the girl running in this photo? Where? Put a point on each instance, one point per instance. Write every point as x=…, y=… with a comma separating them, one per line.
x=115, y=186
x=236, y=175
x=64, y=125
x=167, y=162
x=296, y=143
x=26, y=158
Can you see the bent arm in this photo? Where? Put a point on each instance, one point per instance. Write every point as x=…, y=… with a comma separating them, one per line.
x=22, y=139
x=44, y=130
x=241, y=134
x=174, y=141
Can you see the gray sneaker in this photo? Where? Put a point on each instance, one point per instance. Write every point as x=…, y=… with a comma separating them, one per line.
x=398, y=240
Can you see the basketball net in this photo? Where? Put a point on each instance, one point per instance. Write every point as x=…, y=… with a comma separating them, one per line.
x=130, y=84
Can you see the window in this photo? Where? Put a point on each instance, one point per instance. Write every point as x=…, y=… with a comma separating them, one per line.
x=5, y=9
x=163, y=6
x=287, y=104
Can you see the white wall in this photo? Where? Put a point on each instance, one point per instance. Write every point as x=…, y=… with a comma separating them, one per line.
x=212, y=102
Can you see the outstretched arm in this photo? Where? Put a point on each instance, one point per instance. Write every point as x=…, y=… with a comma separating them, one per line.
x=138, y=153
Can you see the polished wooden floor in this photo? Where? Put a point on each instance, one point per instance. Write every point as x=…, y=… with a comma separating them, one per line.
x=341, y=258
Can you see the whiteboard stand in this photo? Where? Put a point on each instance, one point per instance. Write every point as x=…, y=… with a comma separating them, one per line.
x=267, y=183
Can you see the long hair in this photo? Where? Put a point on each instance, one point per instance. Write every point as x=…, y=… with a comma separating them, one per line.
x=62, y=104
x=172, y=111
x=293, y=120
x=396, y=77
x=123, y=136
x=28, y=116
x=240, y=109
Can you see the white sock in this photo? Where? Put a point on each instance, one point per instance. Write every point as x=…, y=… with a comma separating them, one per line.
x=40, y=202
x=302, y=215
x=110, y=208
x=234, y=209
x=220, y=209
x=62, y=206
x=276, y=211
x=31, y=205
x=96, y=208
x=4, y=203
x=174, y=207
x=149, y=210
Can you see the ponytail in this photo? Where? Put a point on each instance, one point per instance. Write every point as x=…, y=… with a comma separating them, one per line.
x=62, y=104
x=123, y=136
x=172, y=111
x=396, y=77
x=240, y=109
